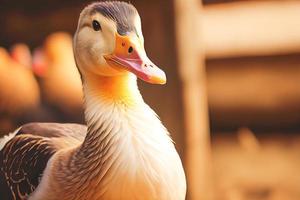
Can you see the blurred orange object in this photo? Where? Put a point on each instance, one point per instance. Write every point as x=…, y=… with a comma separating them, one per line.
x=60, y=82
x=39, y=65
x=19, y=90
x=21, y=53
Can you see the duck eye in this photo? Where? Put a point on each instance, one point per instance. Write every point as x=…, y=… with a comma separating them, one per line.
x=96, y=25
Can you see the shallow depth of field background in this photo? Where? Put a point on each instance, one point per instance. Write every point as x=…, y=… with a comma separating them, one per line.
x=251, y=54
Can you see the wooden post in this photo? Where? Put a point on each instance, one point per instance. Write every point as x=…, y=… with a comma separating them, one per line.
x=193, y=77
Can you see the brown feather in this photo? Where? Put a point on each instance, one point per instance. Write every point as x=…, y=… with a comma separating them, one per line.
x=24, y=158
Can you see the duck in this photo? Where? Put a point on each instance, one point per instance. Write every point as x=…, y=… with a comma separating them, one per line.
x=55, y=67
x=123, y=152
x=19, y=90
x=21, y=54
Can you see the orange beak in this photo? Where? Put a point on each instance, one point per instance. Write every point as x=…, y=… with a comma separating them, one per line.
x=130, y=55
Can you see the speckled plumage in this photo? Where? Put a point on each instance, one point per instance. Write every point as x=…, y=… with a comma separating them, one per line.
x=24, y=157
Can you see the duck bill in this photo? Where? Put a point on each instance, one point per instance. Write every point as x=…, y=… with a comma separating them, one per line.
x=129, y=54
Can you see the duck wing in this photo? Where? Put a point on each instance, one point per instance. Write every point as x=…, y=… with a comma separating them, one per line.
x=76, y=131
x=24, y=158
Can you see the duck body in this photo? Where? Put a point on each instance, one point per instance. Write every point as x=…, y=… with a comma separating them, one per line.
x=124, y=152
x=132, y=157
x=19, y=91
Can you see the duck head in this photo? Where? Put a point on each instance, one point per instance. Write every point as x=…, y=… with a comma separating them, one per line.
x=109, y=43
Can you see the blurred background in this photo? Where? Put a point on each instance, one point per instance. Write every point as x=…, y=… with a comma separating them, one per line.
x=232, y=101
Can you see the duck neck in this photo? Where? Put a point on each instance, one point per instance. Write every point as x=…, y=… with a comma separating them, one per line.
x=108, y=100
x=114, y=89
x=105, y=99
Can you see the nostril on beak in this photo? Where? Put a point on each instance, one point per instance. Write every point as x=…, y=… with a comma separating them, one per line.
x=130, y=50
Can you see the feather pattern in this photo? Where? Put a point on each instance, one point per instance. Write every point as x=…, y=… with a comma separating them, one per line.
x=25, y=154
x=22, y=162
x=122, y=157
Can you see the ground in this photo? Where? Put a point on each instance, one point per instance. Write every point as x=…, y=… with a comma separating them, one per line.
x=265, y=167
